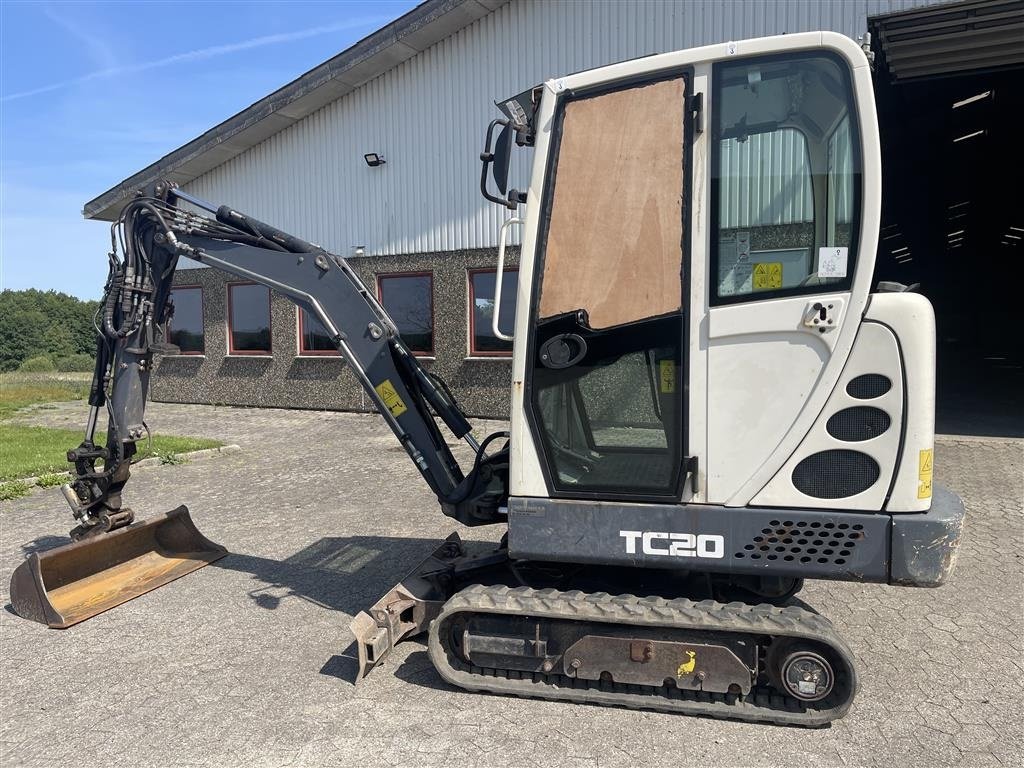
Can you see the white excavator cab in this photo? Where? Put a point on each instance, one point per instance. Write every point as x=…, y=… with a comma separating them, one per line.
x=710, y=218
x=694, y=319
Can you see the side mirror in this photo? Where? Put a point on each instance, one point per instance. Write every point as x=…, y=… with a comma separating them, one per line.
x=500, y=158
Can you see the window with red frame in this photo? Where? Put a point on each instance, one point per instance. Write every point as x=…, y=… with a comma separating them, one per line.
x=482, y=340
x=248, y=319
x=409, y=299
x=313, y=336
x=185, y=328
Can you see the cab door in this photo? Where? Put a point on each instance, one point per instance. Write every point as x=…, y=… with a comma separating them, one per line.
x=606, y=354
x=787, y=281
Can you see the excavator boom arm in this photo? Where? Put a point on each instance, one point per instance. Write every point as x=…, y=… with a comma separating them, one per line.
x=155, y=233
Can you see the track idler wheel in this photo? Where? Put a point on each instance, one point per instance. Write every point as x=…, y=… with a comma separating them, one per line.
x=801, y=670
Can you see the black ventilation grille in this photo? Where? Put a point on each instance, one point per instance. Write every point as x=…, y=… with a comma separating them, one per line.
x=803, y=543
x=861, y=422
x=868, y=386
x=835, y=474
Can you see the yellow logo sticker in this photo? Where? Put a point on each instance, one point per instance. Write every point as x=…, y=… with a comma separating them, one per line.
x=667, y=376
x=925, y=464
x=391, y=399
x=767, y=275
x=687, y=666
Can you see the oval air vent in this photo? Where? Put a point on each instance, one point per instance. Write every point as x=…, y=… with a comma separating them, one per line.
x=861, y=422
x=868, y=386
x=835, y=474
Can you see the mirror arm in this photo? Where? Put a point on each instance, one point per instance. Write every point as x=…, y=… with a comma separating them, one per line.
x=515, y=197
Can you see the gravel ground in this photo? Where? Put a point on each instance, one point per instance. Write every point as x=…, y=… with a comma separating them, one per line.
x=250, y=661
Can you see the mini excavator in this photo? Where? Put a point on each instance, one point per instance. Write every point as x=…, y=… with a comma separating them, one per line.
x=710, y=400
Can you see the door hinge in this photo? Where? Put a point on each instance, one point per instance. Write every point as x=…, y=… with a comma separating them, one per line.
x=690, y=464
x=697, y=113
x=865, y=45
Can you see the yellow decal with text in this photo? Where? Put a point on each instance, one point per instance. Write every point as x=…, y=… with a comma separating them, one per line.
x=925, y=462
x=391, y=399
x=687, y=666
x=667, y=376
x=767, y=275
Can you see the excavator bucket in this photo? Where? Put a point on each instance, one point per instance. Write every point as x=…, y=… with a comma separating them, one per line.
x=72, y=583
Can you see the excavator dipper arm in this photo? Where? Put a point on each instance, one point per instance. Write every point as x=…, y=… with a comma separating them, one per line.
x=155, y=233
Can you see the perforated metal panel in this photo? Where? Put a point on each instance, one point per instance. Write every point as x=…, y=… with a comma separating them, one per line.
x=868, y=386
x=804, y=542
x=861, y=422
x=835, y=474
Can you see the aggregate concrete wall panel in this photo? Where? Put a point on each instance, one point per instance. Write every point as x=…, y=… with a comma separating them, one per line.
x=287, y=379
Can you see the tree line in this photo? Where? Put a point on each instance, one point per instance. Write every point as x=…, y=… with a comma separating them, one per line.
x=46, y=331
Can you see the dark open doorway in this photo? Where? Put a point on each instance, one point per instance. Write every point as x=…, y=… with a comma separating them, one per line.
x=949, y=93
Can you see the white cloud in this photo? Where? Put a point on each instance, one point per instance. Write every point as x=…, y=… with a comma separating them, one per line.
x=201, y=54
x=102, y=54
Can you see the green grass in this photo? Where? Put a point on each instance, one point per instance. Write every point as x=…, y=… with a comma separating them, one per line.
x=53, y=479
x=28, y=451
x=19, y=390
x=14, y=490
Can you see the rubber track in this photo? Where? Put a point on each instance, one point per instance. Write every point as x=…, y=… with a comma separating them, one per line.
x=762, y=704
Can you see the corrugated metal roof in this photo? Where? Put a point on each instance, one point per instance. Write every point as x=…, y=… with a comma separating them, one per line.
x=960, y=37
x=416, y=31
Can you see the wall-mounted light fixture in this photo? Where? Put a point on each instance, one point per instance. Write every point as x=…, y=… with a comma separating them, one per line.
x=358, y=250
x=373, y=159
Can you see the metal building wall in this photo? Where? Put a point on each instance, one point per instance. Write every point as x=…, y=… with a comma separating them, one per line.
x=783, y=195
x=427, y=117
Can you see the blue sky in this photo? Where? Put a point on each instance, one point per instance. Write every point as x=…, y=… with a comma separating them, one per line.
x=93, y=92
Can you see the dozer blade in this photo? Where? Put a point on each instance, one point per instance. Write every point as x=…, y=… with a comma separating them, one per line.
x=72, y=583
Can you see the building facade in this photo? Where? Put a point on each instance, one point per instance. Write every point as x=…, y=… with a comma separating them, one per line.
x=419, y=93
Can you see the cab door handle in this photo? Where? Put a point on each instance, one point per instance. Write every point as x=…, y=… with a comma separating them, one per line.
x=822, y=315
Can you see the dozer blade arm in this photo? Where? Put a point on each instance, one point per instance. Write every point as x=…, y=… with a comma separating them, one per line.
x=410, y=606
x=407, y=609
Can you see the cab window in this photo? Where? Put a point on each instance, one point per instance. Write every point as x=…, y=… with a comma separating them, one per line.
x=785, y=178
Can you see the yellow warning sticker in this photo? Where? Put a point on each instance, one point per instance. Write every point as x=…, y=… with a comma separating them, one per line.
x=767, y=275
x=667, y=376
x=391, y=399
x=925, y=463
x=924, y=489
x=687, y=666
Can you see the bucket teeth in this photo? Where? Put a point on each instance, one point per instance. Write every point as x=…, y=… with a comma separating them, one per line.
x=74, y=582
